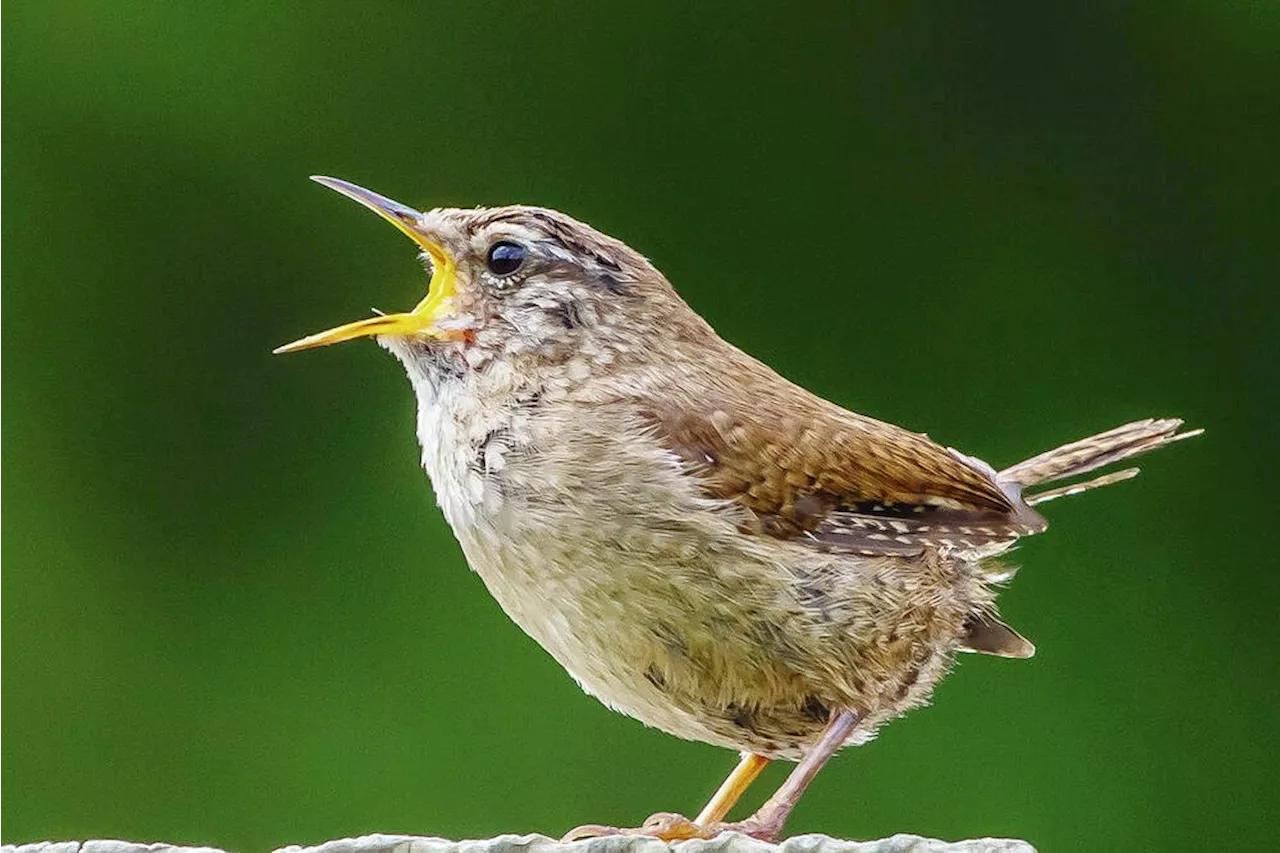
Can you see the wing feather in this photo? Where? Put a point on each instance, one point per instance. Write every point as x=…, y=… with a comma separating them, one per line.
x=806, y=468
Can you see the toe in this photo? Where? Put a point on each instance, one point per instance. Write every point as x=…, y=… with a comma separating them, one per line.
x=669, y=826
x=664, y=826
x=589, y=830
x=759, y=830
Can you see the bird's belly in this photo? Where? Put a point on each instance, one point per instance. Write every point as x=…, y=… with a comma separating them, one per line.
x=716, y=646
x=610, y=637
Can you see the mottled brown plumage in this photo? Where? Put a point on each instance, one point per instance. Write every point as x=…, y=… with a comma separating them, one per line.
x=701, y=543
x=802, y=465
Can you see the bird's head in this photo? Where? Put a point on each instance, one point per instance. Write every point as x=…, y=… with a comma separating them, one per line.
x=515, y=281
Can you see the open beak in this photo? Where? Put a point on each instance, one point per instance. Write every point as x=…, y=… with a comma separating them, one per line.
x=422, y=319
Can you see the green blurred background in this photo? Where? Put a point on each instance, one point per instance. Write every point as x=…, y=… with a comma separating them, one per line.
x=231, y=612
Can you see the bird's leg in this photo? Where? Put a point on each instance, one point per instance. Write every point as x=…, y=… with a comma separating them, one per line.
x=766, y=823
x=732, y=789
x=673, y=827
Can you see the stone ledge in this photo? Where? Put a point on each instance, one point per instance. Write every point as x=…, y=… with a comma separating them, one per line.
x=728, y=843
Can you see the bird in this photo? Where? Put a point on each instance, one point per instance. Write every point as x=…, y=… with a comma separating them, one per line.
x=700, y=543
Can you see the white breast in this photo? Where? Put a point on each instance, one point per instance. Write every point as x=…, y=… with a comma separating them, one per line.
x=545, y=524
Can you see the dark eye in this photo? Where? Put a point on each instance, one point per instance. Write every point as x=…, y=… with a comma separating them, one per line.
x=505, y=257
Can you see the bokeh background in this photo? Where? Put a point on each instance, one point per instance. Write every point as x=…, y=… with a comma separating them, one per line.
x=231, y=612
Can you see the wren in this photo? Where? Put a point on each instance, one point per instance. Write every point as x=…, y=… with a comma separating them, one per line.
x=702, y=544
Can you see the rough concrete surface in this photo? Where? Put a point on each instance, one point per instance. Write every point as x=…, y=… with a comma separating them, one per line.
x=728, y=843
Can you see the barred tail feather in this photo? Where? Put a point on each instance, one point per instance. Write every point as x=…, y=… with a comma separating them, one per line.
x=1089, y=454
x=1077, y=488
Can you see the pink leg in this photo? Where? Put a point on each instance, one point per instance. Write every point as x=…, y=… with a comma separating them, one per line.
x=766, y=823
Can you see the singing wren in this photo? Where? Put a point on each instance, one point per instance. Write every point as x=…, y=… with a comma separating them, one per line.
x=702, y=544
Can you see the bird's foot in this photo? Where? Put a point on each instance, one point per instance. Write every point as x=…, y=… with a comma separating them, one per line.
x=665, y=826
x=760, y=828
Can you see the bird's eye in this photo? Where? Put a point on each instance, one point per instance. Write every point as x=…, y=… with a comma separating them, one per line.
x=505, y=257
